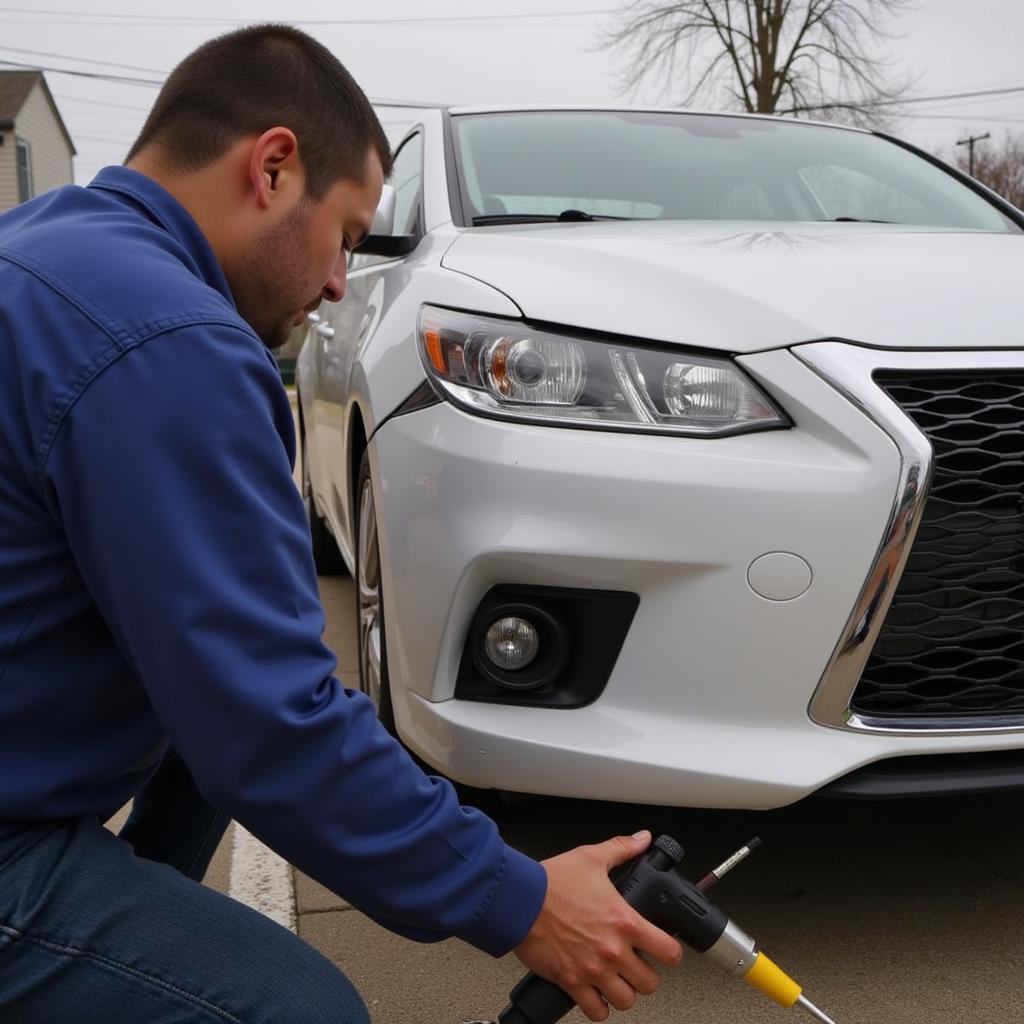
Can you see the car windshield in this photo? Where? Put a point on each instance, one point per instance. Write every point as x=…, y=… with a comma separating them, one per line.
x=583, y=165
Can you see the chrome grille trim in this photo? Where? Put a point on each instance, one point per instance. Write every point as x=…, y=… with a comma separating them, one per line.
x=850, y=369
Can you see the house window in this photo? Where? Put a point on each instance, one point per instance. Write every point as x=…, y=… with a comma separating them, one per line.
x=24, y=157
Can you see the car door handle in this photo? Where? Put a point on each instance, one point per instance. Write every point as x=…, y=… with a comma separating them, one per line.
x=325, y=331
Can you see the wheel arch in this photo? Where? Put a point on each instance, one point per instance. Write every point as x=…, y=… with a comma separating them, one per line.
x=357, y=447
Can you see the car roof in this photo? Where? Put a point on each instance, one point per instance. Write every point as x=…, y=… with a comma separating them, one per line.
x=529, y=108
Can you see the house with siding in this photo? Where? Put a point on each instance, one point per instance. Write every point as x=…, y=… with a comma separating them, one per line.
x=35, y=147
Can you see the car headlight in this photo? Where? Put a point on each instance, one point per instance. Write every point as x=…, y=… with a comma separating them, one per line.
x=505, y=368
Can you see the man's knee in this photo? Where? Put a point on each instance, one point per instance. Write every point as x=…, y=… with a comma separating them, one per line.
x=316, y=992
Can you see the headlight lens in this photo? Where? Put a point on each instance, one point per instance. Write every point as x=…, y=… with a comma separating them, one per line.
x=504, y=368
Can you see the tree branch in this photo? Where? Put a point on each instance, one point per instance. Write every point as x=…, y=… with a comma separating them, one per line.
x=782, y=56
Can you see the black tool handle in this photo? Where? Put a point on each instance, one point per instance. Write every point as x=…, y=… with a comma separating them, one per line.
x=652, y=886
x=534, y=1000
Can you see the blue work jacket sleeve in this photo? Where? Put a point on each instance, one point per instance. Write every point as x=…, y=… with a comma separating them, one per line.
x=172, y=476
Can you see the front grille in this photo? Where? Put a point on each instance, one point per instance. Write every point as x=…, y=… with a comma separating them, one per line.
x=952, y=643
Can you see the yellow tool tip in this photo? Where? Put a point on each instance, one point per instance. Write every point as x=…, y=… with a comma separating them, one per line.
x=774, y=982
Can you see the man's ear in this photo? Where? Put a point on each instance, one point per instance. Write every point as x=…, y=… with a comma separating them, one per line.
x=274, y=166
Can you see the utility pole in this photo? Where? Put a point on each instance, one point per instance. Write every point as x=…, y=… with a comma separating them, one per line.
x=969, y=143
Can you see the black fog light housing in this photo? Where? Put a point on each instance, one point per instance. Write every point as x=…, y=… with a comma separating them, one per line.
x=518, y=646
x=550, y=647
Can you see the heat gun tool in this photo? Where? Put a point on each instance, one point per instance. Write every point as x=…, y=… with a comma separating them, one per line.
x=654, y=888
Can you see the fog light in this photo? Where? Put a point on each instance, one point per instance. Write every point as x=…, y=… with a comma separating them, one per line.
x=517, y=645
x=511, y=643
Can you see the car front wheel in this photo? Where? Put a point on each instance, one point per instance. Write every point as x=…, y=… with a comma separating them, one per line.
x=373, y=658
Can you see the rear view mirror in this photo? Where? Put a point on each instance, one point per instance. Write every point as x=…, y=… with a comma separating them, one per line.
x=384, y=218
x=381, y=241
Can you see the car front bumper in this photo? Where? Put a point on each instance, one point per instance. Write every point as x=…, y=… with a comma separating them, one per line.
x=708, y=701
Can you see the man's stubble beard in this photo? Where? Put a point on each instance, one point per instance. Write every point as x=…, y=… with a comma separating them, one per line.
x=275, y=253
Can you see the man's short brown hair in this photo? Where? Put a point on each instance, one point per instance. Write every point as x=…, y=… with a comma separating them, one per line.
x=247, y=81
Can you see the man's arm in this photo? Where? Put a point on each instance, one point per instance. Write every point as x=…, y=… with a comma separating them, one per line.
x=172, y=475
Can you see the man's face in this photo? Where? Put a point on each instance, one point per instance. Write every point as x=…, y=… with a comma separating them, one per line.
x=302, y=259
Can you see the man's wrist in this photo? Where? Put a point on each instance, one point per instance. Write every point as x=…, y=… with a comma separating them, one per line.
x=512, y=905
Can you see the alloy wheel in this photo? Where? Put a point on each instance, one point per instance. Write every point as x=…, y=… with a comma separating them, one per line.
x=368, y=583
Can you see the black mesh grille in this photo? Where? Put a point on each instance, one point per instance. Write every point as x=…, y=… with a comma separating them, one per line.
x=952, y=643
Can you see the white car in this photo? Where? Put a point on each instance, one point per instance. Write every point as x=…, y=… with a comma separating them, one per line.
x=679, y=459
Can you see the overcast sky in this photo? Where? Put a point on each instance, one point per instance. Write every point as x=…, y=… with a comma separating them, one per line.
x=467, y=51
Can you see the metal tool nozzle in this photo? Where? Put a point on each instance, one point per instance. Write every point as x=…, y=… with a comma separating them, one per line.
x=814, y=1011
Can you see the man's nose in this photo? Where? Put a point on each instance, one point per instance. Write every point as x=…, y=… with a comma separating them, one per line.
x=334, y=290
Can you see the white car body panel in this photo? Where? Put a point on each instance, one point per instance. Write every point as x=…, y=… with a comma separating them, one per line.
x=663, y=731
x=744, y=287
x=332, y=374
x=707, y=703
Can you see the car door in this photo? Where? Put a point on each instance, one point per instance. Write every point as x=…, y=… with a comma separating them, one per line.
x=340, y=331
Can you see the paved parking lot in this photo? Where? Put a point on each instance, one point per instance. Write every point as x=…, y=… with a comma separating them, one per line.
x=902, y=912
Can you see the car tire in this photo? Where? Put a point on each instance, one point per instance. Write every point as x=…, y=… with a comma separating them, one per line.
x=326, y=555
x=370, y=635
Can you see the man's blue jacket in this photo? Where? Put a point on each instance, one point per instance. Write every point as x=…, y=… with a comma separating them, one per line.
x=156, y=579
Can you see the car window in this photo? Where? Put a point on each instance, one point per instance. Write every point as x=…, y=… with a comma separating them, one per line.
x=746, y=201
x=845, y=192
x=407, y=181
x=678, y=166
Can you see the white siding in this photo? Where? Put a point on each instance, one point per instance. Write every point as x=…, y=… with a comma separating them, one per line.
x=51, y=158
x=8, y=173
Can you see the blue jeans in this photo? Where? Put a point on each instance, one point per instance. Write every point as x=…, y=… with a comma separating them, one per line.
x=93, y=933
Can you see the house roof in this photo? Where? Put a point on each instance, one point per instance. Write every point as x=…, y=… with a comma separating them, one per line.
x=15, y=87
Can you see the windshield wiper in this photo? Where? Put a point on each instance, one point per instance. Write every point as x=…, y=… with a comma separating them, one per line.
x=854, y=220
x=566, y=216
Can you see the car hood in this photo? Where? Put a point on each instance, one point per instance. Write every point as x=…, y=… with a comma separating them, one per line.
x=743, y=287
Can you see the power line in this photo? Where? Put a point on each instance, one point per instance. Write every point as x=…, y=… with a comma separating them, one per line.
x=376, y=101
x=228, y=23
x=846, y=105
x=967, y=117
x=200, y=19
x=124, y=79
x=102, y=138
x=112, y=117
x=997, y=104
x=955, y=96
x=80, y=60
x=98, y=103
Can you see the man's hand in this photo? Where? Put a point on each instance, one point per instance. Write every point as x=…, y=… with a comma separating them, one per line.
x=587, y=939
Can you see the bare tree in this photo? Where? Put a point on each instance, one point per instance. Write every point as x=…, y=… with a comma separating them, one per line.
x=1000, y=166
x=810, y=57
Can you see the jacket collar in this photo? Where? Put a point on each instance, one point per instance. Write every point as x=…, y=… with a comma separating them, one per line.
x=169, y=214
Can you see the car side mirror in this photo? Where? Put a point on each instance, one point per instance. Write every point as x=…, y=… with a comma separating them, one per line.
x=384, y=218
x=381, y=241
